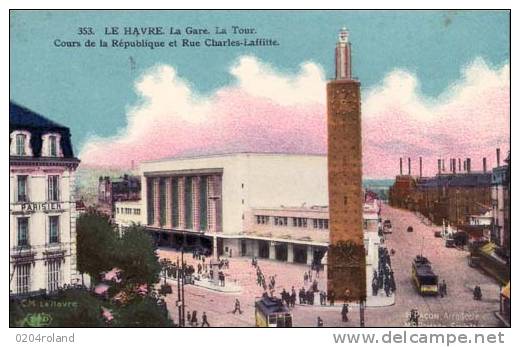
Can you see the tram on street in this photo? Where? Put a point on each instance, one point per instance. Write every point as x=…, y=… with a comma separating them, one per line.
x=271, y=312
x=423, y=276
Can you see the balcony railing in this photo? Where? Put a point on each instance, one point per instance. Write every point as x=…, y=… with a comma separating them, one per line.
x=22, y=198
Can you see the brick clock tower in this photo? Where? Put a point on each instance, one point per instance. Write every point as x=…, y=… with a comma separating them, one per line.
x=346, y=274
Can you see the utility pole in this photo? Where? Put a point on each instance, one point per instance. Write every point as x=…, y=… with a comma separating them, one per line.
x=181, y=323
x=362, y=313
x=182, y=287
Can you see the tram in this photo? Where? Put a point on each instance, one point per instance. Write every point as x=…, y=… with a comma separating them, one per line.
x=423, y=276
x=271, y=312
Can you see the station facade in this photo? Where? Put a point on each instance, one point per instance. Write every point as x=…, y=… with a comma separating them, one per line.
x=267, y=205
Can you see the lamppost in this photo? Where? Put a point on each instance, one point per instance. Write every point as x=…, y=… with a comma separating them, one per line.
x=181, y=280
x=179, y=302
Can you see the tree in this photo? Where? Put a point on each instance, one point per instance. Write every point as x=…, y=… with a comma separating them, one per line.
x=136, y=257
x=97, y=243
x=145, y=311
x=73, y=307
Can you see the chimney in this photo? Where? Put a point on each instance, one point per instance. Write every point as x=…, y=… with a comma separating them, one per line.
x=451, y=165
x=439, y=165
x=443, y=167
x=420, y=167
x=465, y=166
x=454, y=165
x=409, y=166
x=401, y=166
x=484, y=164
x=498, y=156
x=460, y=168
x=468, y=165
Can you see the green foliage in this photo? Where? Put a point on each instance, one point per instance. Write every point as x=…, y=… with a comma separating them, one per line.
x=142, y=312
x=97, y=242
x=80, y=308
x=136, y=257
x=69, y=308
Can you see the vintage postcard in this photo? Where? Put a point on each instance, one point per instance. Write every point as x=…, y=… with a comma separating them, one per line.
x=211, y=168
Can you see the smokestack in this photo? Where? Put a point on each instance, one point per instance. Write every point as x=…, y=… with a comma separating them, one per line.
x=498, y=156
x=460, y=169
x=465, y=165
x=439, y=165
x=451, y=165
x=484, y=164
x=454, y=165
x=401, y=166
x=443, y=167
x=409, y=166
x=468, y=165
x=420, y=167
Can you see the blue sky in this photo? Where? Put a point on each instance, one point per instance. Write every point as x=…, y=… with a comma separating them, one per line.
x=90, y=89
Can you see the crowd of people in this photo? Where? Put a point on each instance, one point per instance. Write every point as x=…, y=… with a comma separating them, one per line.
x=383, y=278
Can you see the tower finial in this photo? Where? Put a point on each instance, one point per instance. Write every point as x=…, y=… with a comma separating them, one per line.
x=343, y=35
x=343, y=60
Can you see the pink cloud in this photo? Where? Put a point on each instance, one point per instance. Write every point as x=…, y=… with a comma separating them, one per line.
x=264, y=110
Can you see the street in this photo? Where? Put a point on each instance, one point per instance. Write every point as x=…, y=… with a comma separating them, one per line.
x=450, y=264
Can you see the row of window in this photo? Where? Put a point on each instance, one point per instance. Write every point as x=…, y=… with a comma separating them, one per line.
x=53, y=188
x=22, y=140
x=23, y=231
x=126, y=210
x=23, y=276
x=298, y=222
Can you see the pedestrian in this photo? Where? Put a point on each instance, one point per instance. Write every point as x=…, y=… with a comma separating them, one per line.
x=321, y=299
x=317, y=271
x=310, y=297
x=477, y=293
x=414, y=317
x=221, y=278
x=375, y=287
x=204, y=320
x=293, y=297
x=444, y=288
x=194, y=321
x=392, y=282
x=387, y=286
x=320, y=322
x=237, y=307
x=305, y=278
x=301, y=296
x=188, y=316
x=284, y=295
x=332, y=298
x=344, y=313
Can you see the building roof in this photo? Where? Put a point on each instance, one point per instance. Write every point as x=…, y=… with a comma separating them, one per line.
x=232, y=154
x=21, y=118
x=476, y=179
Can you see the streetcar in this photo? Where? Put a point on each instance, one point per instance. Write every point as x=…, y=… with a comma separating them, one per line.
x=271, y=312
x=423, y=276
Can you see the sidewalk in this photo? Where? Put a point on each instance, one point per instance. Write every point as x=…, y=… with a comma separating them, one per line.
x=230, y=287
